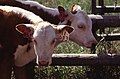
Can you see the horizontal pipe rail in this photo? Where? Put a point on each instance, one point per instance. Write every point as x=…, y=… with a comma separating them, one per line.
x=105, y=21
x=110, y=37
x=101, y=22
x=108, y=9
x=85, y=60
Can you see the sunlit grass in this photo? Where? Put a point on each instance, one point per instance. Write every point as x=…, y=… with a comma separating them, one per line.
x=71, y=47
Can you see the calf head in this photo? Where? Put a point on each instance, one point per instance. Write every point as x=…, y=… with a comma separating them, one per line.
x=45, y=37
x=82, y=24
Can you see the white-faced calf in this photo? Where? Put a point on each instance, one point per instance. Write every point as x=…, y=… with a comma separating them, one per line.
x=26, y=35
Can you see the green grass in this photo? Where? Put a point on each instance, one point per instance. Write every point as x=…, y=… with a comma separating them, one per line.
x=70, y=47
x=61, y=72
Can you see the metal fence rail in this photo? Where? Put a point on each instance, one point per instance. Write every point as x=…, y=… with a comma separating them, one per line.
x=101, y=8
x=85, y=60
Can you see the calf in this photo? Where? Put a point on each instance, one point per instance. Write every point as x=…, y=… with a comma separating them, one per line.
x=76, y=18
x=23, y=34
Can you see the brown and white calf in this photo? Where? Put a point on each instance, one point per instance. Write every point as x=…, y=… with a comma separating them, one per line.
x=77, y=18
x=23, y=34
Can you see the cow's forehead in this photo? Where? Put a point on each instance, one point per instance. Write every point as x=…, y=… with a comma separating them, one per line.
x=44, y=32
x=82, y=17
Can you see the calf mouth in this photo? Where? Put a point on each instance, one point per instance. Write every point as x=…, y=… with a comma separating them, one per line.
x=43, y=64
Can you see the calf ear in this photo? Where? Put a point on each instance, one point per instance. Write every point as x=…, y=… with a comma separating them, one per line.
x=64, y=31
x=75, y=9
x=25, y=29
x=63, y=14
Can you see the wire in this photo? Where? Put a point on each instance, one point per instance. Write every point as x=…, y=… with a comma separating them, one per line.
x=115, y=4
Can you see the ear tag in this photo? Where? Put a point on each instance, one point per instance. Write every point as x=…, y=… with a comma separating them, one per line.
x=65, y=35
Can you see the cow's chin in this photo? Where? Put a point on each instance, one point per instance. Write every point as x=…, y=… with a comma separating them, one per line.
x=47, y=64
x=44, y=63
x=87, y=45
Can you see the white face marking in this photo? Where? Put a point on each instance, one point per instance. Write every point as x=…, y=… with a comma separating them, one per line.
x=43, y=37
x=82, y=24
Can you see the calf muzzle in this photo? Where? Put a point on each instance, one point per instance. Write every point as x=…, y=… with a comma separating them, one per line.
x=43, y=63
